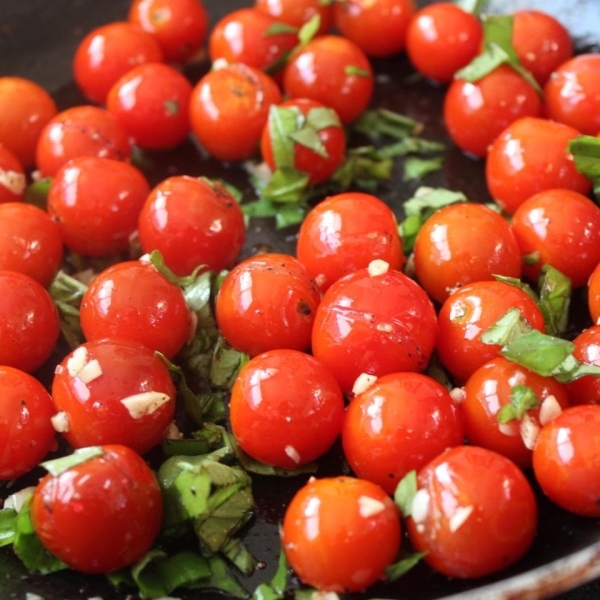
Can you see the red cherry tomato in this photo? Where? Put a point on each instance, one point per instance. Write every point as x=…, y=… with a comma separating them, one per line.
x=267, y=302
x=586, y=390
x=346, y=232
x=476, y=113
x=193, y=222
x=29, y=325
x=462, y=243
x=398, y=424
x=133, y=301
x=107, y=53
x=566, y=460
x=299, y=414
x=474, y=514
x=298, y=12
x=179, y=26
x=340, y=534
x=441, y=39
x=468, y=313
x=95, y=202
x=373, y=323
x=80, y=131
x=25, y=427
x=26, y=108
x=334, y=71
x=594, y=294
x=29, y=242
x=12, y=177
x=101, y=515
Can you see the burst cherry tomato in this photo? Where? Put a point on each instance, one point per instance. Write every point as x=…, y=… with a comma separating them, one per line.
x=594, y=294
x=340, y=534
x=586, y=390
x=298, y=12
x=12, y=176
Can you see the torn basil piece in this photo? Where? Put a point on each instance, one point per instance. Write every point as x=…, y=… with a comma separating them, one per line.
x=274, y=589
x=555, y=299
x=507, y=328
x=403, y=566
x=81, y=455
x=37, y=193
x=67, y=292
x=417, y=168
x=522, y=400
x=8, y=526
x=405, y=493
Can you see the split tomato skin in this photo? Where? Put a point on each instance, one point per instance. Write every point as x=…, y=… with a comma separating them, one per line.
x=339, y=534
x=101, y=515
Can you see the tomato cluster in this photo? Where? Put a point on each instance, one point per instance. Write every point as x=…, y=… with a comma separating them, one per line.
x=343, y=340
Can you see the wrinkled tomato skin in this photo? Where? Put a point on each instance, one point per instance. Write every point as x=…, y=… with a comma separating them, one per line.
x=12, y=177
x=25, y=429
x=586, y=390
x=593, y=294
x=374, y=324
x=298, y=12
x=101, y=515
x=487, y=391
x=566, y=460
x=348, y=551
x=398, y=424
x=300, y=412
x=500, y=527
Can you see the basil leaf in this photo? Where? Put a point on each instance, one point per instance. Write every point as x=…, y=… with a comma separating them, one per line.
x=81, y=455
x=403, y=566
x=157, y=259
x=282, y=122
x=405, y=493
x=522, y=400
x=586, y=155
x=221, y=579
x=483, y=64
x=37, y=193
x=287, y=184
x=274, y=589
x=186, y=447
x=571, y=369
x=8, y=526
x=410, y=145
x=322, y=117
x=238, y=555
x=172, y=107
x=309, y=30
x=226, y=364
x=353, y=70
x=66, y=293
x=380, y=122
x=416, y=168
x=285, y=214
x=279, y=28
x=507, y=328
x=309, y=138
x=363, y=166
x=524, y=287
x=555, y=299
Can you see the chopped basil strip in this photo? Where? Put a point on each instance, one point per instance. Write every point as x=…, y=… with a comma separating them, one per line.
x=66, y=293
x=287, y=185
x=524, y=287
x=221, y=579
x=416, y=168
x=380, y=122
x=522, y=399
x=410, y=145
x=405, y=493
x=284, y=214
x=507, y=328
x=403, y=566
x=37, y=193
x=274, y=589
x=282, y=122
x=8, y=526
x=172, y=107
x=81, y=455
x=586, y=155
x=309, y=138
x=279, y=28
x=363, y=166
x=356, y=71
x=157, y=259
x=309, y=30
x=555, y=299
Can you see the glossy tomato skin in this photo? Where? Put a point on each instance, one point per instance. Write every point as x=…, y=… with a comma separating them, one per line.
x=586, y=390
x=179, y=26
x=463, y=243
x=476, y=113
x=29, y=242
x=107, y=53
x=346, y=232
x=488, y=390
x=528, y=157
x=379, y=28
x=573, y=93
x=594, y=294
x=25, y=428
x=298, y=12
x=561, y=228
x=80, y=131
x=441, y=39
x=566, y=460
x=229, y=107
x=374, y=324
x=267, y=302
x=101, y=515
x=468, y=313
x=334, y=71
x=478, y=513
x=29, y=325
x=398, y=424
x=95, y=203
x=133, y=301
x=357, y=537
x=300, y=412
x=151, y=102
x=26, y=108
x=193, y=222
x=12, y=177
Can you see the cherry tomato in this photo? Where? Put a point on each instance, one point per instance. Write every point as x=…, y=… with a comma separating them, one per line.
x=25, y=427
x=320, y=160
x=101, y=515
x=474, y=514
x=340, y=534
x=179, y=26
x=476, y=113
x=298, y=12
x=489, y=389
x=12, y=177
x=468, y=313
x=379, y=28
x=267, y=302
x=29, y=325
x=398, y=424
x=193, y=222
x=29, y=242
x=374, y=322
x=107, y=53
x=299, y=414
x=559, y=228
x=229, y=108
x=586, y=390
x=95, y=202
x=334, y=71
x=133, y=301
x=566, y=460
x=594, y=294
x=441, y=39
x=462, y=243
x=528, y=157
x=80, y=131
x=573, y=93
x=152, y=104
x=26, y=108
x=346, y=232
